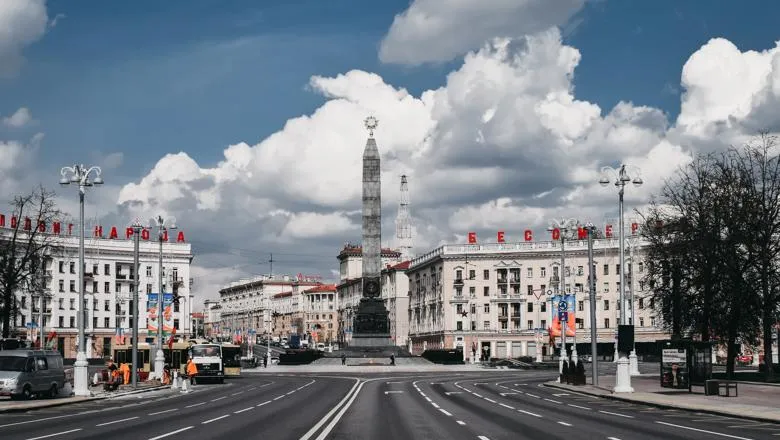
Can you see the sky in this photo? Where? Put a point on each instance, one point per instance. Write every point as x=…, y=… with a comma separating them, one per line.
x=243, y=119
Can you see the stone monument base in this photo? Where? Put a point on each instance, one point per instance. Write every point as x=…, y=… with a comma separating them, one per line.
x=372, y=340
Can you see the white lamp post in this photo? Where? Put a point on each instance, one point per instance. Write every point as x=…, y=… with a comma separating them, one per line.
x=80, y=175
x=564, y=226
x=163, y=225
x=621, y=177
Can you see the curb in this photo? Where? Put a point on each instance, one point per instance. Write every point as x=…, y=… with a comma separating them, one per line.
x=55, y=403
x=662, y=405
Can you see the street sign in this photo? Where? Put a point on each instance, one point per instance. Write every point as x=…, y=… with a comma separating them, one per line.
x=563, y=316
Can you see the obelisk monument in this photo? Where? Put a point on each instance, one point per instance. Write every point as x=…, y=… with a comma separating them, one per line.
x=371, y=327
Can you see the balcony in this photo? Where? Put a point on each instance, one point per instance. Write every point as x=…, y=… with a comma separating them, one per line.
x=459, y=299
x=501, y=280
x=514, y=280
x=458, y=281
x=503, y=317
x=515, y=315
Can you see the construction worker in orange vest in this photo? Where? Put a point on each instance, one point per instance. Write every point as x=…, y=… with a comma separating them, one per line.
x=192, y=370
x=124, y=369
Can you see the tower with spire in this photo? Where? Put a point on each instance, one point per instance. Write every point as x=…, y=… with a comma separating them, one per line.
x=403, y=222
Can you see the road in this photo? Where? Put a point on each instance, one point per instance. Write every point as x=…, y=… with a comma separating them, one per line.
x=489, y=405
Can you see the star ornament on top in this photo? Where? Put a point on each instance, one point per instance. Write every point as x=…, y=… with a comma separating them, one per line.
x=371, y=123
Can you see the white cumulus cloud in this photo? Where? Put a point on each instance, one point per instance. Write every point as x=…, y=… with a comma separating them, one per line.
x=19, y=119
x=22, y=22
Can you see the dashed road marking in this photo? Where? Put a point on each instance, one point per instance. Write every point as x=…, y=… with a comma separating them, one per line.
x=507, y=406
x=243, y=410
x=162, y=412
x=460, y=422
x=529, y=413
x=553, y=401
x=564, y=423
x=195, y=404
x=532, y=395
x=489, y=400
x=616, y=414
x=482, y=437
x=446, y=413
x=219, y=398
x=56, y=433
x=264, y=403
x=215, y=419
x=578, y=406
x=279, y=397
x=117, y=421
x=170, y=433
x=702, y=430
x=237, y=393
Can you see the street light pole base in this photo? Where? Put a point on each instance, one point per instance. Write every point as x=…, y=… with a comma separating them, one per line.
x=623, y=376
x=633, y=363
x=159, y=364
x=81, y=375
x=574, y=357
x=615, y=356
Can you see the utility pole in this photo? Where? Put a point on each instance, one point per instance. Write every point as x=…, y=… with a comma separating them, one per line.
x=137, y=228
x=592, y=296
x=271, y=263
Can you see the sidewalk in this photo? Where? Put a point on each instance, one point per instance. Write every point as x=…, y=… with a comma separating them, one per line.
x=755, y=402
x=9, y=406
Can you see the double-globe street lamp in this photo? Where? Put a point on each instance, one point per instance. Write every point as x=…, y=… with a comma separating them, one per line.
x=81, y=176
x=163, y=225
x=622, y=177
x=564, y=227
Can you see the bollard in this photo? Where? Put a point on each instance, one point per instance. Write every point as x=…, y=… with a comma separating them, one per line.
x=175, y=381
x=185, y=386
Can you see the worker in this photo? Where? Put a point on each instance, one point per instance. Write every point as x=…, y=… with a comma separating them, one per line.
x=192, y=371
x=125, y=370
x=166, y=379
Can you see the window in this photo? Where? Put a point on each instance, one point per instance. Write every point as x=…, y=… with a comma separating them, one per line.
x=176, y=324
x=149, y=289
x=606, y=322
x=175, y=275
x=41, y=364
x=581, y=306
x=472, y=290
x=580, y=270
x=472, y=274
x=606, y=287
x=106, y=287
x=606, y=304
x=459, y=309
x=458, y=275
x=529, y=272
x=72, y=322
x=473, y=325
x=459, y=326
x=176, y=309
x=486, y=291
x=530, y=289
x=543, y=307
x=62, y=322
x=543, y=272
x=62, y=267
x=106, y=323
x=118, y=288
x=544, y=288
x=72, y=267
x=62, y=285
x=95, y=269
x=72, y=304
x=149, y=271
x=567, y=271
x=486, y=274
x=641, y=267
x=106, y=269
x=652, y=303
x=72, y=285
x=580, y=323
x=530, y=307
x=486, y=325
x=617, y=268
x=94, y=322
x=543, y=324
x=61, y=304
x=473, y=309
x=652, y=321
x=458, y=290
x=641, y=303
x=555, y=271
x=530, y=325
x=95, y=287
x=641, y=322
x=641, y=285
x=107, y=305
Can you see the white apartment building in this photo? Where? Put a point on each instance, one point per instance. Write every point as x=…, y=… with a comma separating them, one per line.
x=350, y=290
x=320, y=317
x=211, y=318
x=249, y=304
x=109, y=287
x=495, y=297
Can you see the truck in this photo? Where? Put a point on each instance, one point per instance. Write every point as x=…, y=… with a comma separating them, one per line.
x=208, y=359
x=295, y=342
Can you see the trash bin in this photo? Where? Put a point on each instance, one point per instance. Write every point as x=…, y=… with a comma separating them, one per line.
x=711, y=387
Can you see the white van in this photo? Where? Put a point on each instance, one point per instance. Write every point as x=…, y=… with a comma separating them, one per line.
x=28, y=373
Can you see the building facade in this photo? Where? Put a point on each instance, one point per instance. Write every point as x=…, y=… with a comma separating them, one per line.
x=349, y=291
x=320, y=317
x=249, y=306
x=494, y=299
x=211, y=318
x=108, y=286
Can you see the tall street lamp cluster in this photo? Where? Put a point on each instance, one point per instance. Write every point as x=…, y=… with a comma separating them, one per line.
x=621, y=177
x=564, y=227
x=163, y=225
x=81, y=176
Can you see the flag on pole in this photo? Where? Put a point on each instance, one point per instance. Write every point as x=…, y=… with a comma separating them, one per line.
x=173, y=336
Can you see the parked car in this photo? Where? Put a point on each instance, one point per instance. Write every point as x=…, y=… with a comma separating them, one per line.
x=28, y=373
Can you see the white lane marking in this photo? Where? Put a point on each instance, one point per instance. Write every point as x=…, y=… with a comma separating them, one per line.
x=435, y=405
x=507, y=406
x=171, y=433
x=453, y=392
x=616, y=414
x=529, y=413
x=237, y=393
x=428, y=399
x=250, y=389
x=445, y=412
x=750, y=425
x=45, y=418
x=564, y=423
x=56, y=433
x=577, y=406
x=195, y=404
x=337, y=417
x=506, y=394
x=612, y=438
x=532, y=395
x=461, y=423
x=476, y=394
x=561, y=394
x=322, y=421
x=392, y=382
x=490, y=400
x=162, y=412
x=393, y=392
x=482, y=437
x=117, y=421
x=219, y=398
x=279, y=397
x=243, y=410
x=421, y=393
x=291, y=392
x=702, y=430
x=520, y=384
x=265, y=403
x=553, y=401
x=480, y=383
x=215, y=419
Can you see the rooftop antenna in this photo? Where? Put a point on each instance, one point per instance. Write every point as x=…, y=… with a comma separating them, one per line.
x=271, y=263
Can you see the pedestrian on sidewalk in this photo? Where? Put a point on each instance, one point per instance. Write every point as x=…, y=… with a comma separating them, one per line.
x=343, y=359
x=265, y=361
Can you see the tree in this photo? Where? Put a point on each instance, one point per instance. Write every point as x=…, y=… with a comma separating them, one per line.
x=23, y=248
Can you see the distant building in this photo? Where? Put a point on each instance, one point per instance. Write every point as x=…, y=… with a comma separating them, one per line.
x=198, y=325
x=211, y=318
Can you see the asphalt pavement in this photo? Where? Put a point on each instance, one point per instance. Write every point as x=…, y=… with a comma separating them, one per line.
x=488, y=405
